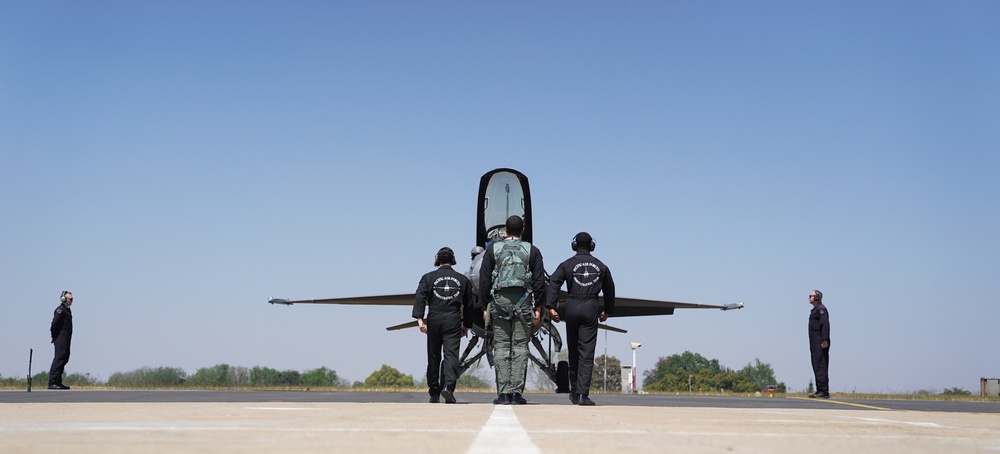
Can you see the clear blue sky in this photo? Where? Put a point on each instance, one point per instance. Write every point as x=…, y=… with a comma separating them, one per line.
x=176, y=163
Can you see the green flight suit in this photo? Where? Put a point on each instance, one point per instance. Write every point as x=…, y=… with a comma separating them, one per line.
x=511, y=340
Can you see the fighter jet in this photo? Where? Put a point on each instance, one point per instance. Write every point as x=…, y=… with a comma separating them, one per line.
x=503, y=193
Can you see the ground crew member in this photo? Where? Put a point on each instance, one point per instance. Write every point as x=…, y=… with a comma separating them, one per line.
x=819, y=344
x=512, y=286
x=62, y=334
x=447, y=294
x=586, y=277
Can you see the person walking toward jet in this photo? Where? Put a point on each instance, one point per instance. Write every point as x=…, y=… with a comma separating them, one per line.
x=447, y=294
x=819, y=344
x=586, y=277
x=512, y=285
x=61, y=330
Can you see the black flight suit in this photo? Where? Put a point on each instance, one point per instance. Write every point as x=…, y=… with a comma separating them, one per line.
x=585, y=278
x=448, y=297
x=62, y=333
x=819, y=331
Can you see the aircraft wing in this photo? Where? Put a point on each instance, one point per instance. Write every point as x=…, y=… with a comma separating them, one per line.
x=611, y=328
x=400, y=326
x=405, y=299
x=634, y=307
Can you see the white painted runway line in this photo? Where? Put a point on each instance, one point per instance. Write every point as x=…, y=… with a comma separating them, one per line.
x=503, y=433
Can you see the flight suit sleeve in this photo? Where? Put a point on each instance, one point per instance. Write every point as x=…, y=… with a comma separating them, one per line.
x=537, y=276
x=468, y=304
x=608, y=289
x=555, y=284
x=58, y=319
x=420, y=299
x=824, y=319
x=486, y=277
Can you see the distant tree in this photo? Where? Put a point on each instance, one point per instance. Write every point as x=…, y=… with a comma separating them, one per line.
x=476, y=377
x=289, y=378
x=471, y=381
x=956, y=392
x=614, y=374
x=239, y=375
x=210, y=376
x=762, y=375
x=263, y=376
x=77, y=379
x=674, y=372
x=147, y=377
x=220, y=375
x=41, y=378
x=389, y=377
x=320, y=377
x=266, y=376
x=691, y=371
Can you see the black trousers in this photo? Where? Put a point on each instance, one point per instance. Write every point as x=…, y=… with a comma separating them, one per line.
x=444, y=336
x=821, y=364
x=581, y=337
x=60, y=359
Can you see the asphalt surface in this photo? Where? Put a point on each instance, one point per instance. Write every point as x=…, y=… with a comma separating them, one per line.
x=163, y=396
x=102, y=421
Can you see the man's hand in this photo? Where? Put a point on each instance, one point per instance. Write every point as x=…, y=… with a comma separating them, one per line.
x=423, y=326
x=465, y=332
x=824, y=345
x=604, y=316
x=538, y=319
x=553, y=315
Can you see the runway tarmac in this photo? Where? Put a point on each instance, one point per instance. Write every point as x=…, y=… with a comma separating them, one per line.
x=269, y=421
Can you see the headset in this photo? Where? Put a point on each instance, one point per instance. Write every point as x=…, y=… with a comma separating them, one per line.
x=62, y=296
x=591, y=246
x=444, y=256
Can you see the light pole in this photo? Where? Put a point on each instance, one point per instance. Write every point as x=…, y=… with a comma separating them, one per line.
x=606, y=361
x=635, y=346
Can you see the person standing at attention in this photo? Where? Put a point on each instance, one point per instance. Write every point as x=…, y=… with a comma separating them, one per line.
x=819, y=344
x=62, y=335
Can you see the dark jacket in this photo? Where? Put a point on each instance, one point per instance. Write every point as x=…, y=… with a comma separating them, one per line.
x=819, y=323
x=444, y=289
x=62, y=321
x=586, y=277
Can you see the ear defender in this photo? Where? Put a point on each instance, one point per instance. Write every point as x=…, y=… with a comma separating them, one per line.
x=584, y=237
x=444, y=255
x=62, y=296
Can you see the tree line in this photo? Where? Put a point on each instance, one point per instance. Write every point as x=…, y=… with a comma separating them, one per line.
x=691, y=372
x=227, y=376
x=676, y=373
